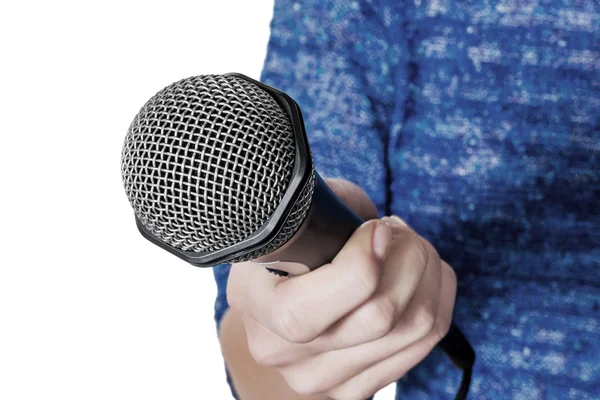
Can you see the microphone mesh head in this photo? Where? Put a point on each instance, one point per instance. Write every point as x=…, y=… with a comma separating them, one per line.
x=207, y=160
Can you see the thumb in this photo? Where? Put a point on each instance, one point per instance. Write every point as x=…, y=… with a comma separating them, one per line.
x=354, y=197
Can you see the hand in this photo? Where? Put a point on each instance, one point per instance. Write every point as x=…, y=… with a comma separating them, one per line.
x=353, y=326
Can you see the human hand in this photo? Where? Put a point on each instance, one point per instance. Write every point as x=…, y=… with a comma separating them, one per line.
x=357, y=324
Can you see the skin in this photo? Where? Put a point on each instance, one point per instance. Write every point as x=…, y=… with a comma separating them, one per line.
x=347, y=329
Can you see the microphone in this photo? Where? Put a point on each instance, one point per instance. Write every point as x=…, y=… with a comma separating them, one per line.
x=218, y=170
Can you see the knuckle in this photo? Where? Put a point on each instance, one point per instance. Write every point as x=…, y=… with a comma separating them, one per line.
x=441, y=328
x=261, y=353
x=289, y=326
x=417, y=250
x=382, y=316
x=265, y=353
x=423, y=321
x=303, y=383
x=450, y=274
x=432, y=252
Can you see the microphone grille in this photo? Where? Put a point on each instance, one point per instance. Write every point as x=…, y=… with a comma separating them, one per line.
x=207, y=160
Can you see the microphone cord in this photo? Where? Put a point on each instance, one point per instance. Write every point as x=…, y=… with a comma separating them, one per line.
x=464, y=384
x=459, y=351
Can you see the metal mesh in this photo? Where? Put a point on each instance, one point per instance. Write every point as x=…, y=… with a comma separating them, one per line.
x=207, y=160
x=291, y=225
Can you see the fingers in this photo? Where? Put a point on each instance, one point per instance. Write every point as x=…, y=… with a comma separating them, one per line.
x=300, y=309
x=415, y=322
x=369, y=381
x=376, y=317
x=336, y=329
x=379, y=315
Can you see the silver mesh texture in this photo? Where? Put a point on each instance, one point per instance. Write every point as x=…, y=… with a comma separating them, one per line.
x=291, y=225
x=207, y=160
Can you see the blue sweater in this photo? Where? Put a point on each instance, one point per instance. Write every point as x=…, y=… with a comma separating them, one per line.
x=479, y=123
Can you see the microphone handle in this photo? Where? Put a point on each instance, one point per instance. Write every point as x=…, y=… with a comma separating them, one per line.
x=329, y=224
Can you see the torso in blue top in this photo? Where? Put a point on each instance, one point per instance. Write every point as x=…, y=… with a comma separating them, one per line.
x=479, y=123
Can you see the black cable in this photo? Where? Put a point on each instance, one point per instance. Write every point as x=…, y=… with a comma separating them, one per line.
x=464, y=384
x=457, y=348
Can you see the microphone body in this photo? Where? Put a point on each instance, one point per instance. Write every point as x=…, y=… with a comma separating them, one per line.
x=328, y=225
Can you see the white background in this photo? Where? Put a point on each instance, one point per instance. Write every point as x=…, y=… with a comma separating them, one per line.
x=88, y=308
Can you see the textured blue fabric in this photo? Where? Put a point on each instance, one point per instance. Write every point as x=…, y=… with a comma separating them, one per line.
x=479, y=123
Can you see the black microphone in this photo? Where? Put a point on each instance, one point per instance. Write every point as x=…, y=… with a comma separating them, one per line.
x=218, y=170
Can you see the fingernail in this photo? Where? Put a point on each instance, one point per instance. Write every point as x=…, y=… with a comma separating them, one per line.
x=381, y=239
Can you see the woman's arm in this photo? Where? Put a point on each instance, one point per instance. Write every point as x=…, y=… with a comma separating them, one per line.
x=251, y=381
